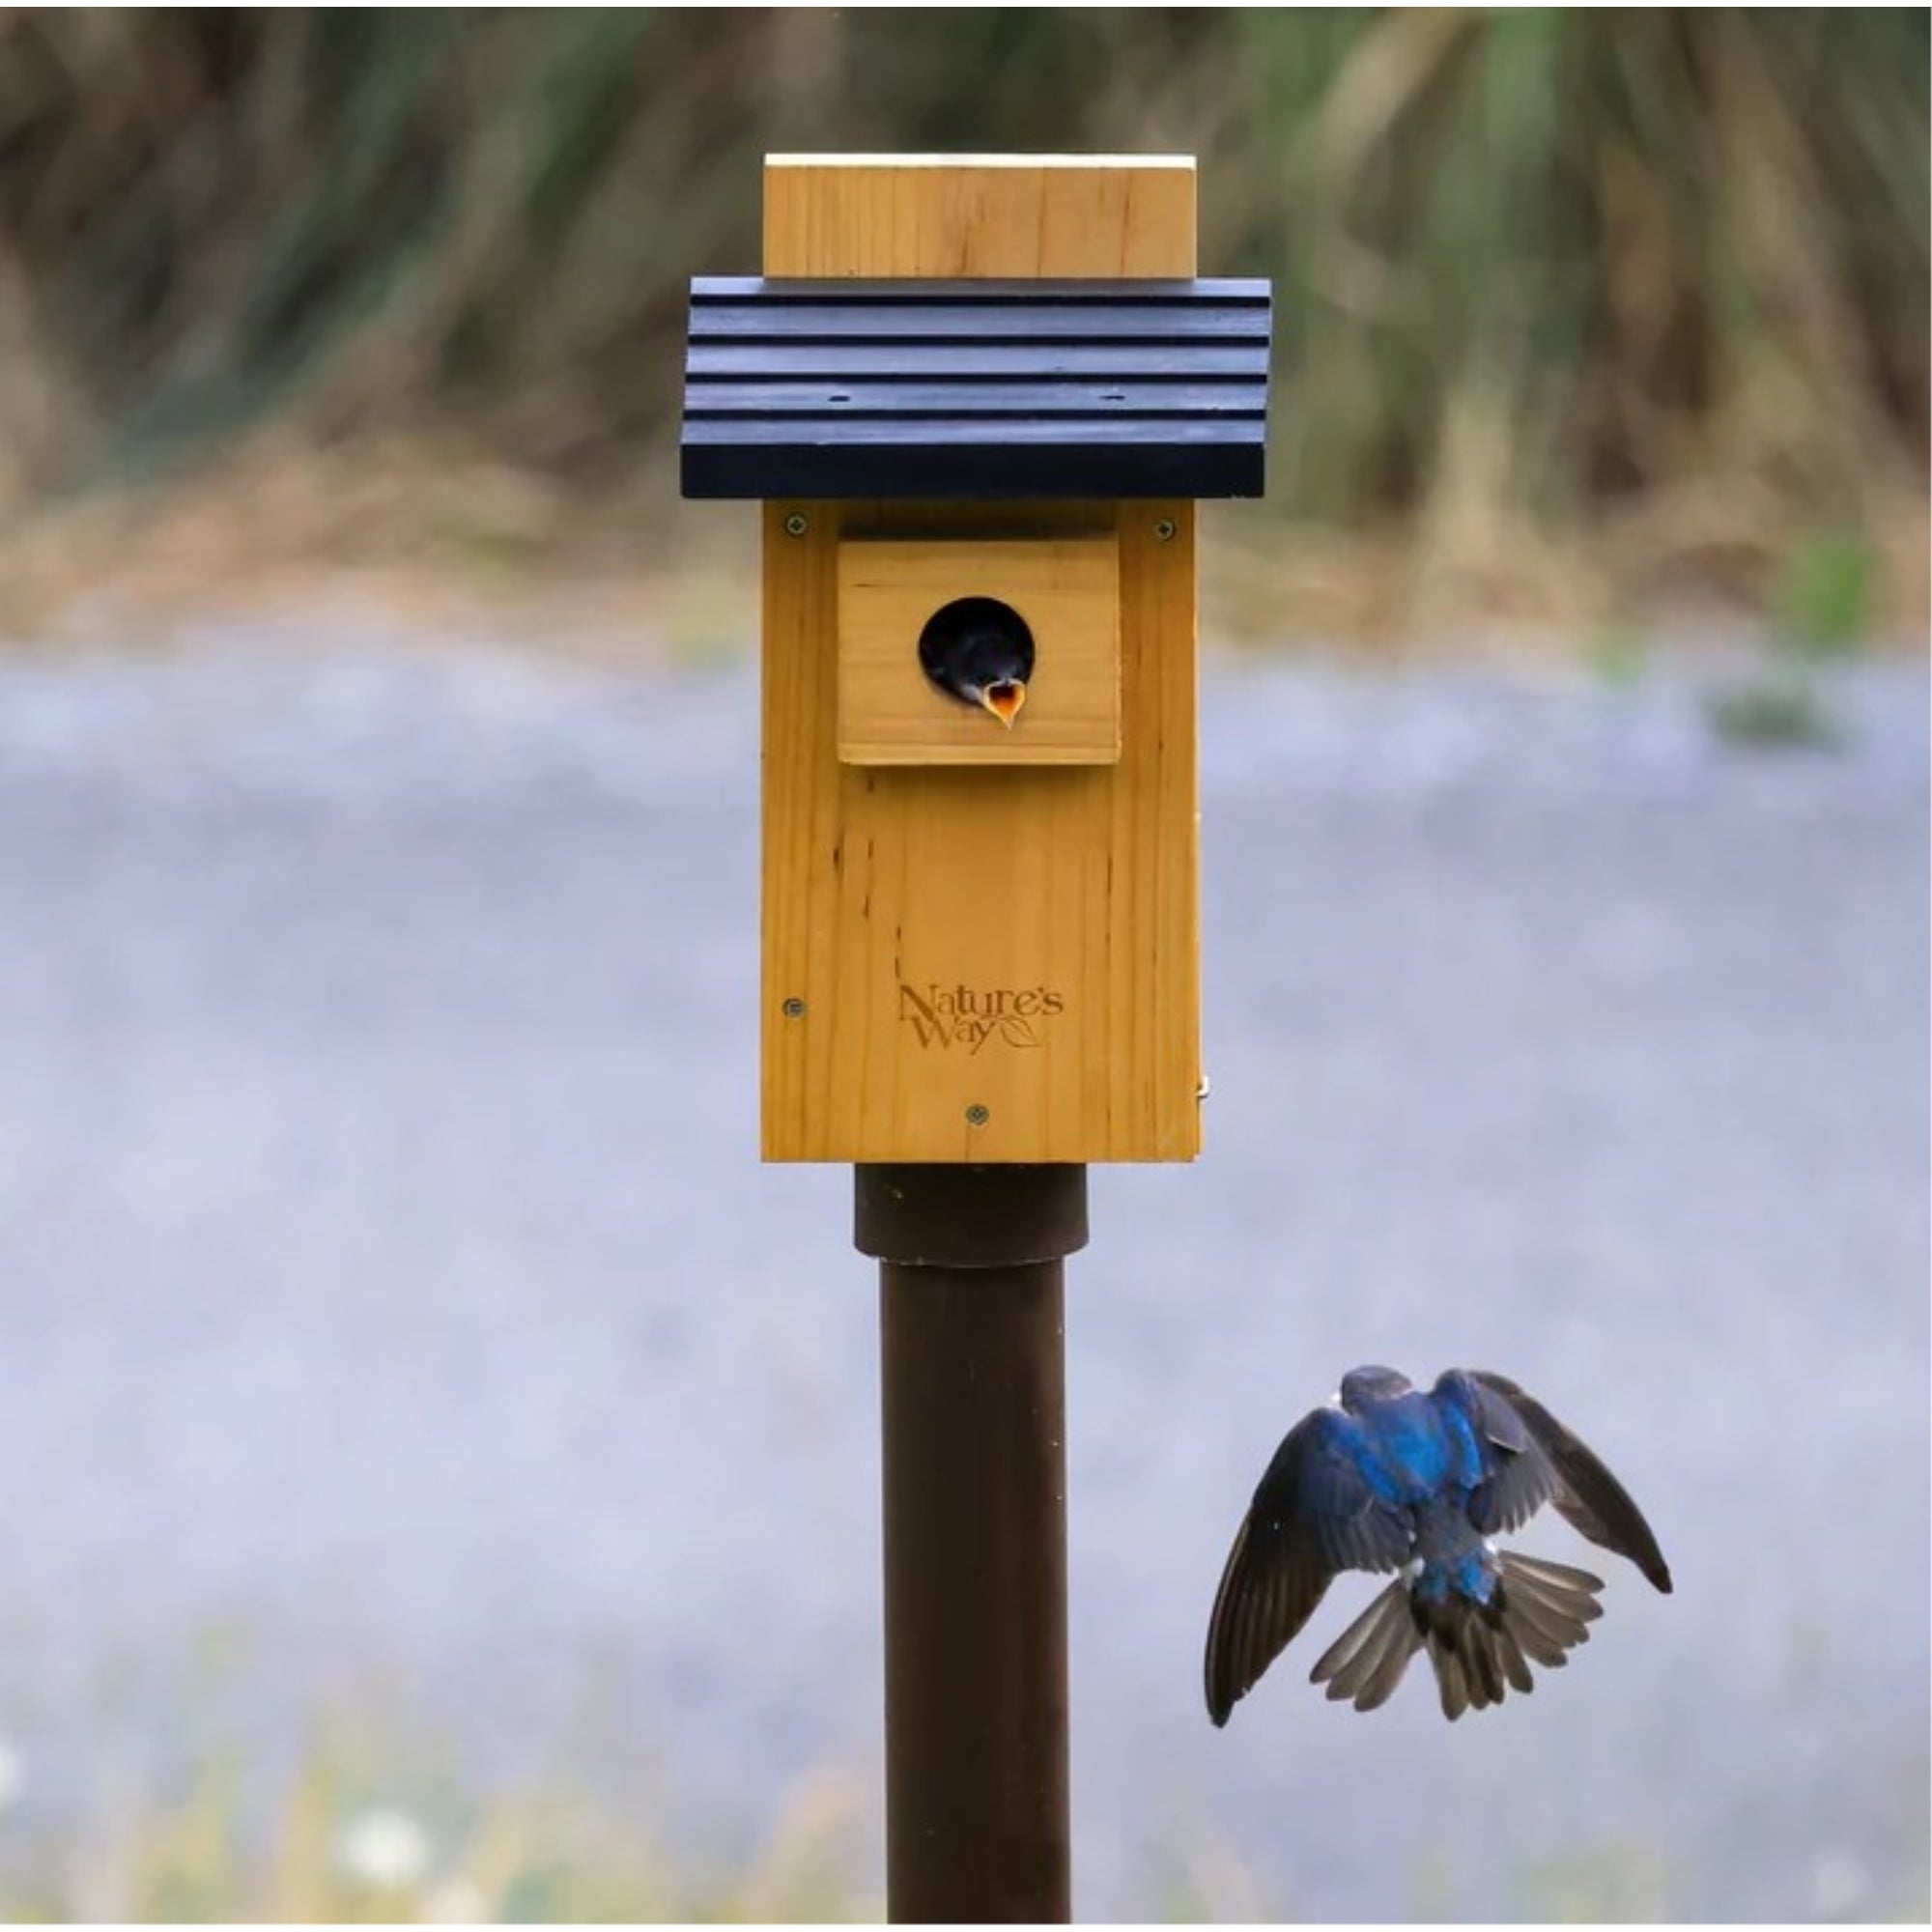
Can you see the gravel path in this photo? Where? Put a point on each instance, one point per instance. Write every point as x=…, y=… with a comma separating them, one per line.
x=388, y=1273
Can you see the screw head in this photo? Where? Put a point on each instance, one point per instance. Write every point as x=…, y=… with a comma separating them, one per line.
x=796, y=525
x=794, y=1009
x=1165, y=529
x=977, y=1116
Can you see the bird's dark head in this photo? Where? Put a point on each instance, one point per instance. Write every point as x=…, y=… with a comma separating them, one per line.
x=979, y=651
x=1362, y=1388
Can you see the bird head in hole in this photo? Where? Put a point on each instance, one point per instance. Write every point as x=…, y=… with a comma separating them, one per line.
x=979, y=651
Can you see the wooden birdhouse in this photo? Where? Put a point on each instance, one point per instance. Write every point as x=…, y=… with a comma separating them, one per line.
x=978, y=399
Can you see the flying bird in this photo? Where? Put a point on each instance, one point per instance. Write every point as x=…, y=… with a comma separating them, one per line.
x=1385, y=1477
x=979, y=651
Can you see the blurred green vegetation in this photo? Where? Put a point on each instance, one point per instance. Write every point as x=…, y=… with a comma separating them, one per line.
x=1539, y=271
x=1823, y=602
x=1777, y=708
x=1823, y=607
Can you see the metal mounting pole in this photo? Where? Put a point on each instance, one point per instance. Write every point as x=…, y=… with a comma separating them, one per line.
x=973, y=1397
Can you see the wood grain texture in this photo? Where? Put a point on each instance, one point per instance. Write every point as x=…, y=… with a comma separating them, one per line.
x=972, y=964
x=1024, y=216
x=1068, y=591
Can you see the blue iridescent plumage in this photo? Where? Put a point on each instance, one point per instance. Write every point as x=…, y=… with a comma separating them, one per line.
x=1390, y=1478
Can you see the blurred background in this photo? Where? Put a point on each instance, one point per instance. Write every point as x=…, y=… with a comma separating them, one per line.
x=442, y=1474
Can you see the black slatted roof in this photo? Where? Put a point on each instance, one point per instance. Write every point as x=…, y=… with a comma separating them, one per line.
x=975, y=388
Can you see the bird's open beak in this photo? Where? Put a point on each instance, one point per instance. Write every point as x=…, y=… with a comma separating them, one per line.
x=1003, y=700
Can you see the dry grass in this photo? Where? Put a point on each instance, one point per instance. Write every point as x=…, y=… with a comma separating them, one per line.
x=1580, y=313
x=441, y=536
x=426, y=533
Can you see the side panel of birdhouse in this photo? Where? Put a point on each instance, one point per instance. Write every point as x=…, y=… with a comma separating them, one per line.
x=981, y=962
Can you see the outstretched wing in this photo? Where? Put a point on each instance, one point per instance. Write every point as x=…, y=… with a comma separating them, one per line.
x=1313, y=1514
x=1582, y=1489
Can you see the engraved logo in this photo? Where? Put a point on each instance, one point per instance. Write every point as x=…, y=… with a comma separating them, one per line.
x=972, y=1016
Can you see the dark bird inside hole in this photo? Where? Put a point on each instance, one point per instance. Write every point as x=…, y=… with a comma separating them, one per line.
x=979, y=651
x=1387, y=1478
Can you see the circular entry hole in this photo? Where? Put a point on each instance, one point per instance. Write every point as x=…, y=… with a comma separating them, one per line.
x=978, y=651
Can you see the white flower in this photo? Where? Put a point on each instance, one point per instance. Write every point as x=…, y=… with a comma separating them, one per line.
x=456, y=1901
x=384, y=1849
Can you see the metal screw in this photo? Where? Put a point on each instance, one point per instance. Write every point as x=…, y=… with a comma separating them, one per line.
x=977, y=1116
x=1164, y=529
x=794, y=1010
x=796, y=525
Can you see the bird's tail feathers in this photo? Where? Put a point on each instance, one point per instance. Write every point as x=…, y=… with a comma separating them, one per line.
x=1548, y=1608
x=1366, y=1661
x=1538, y=1612
x=1537, y=1615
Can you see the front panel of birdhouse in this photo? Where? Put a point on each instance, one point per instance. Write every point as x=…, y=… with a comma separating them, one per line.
x=980, y=943
x=963, y=387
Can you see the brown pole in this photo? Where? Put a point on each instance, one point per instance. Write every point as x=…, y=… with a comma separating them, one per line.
x=975, y=1456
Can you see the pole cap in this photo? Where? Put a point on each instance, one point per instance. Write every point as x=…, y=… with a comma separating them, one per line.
x=920, y=1214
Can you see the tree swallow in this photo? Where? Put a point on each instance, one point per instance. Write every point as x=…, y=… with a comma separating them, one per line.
x=979, y=651
x=1387, y=1478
